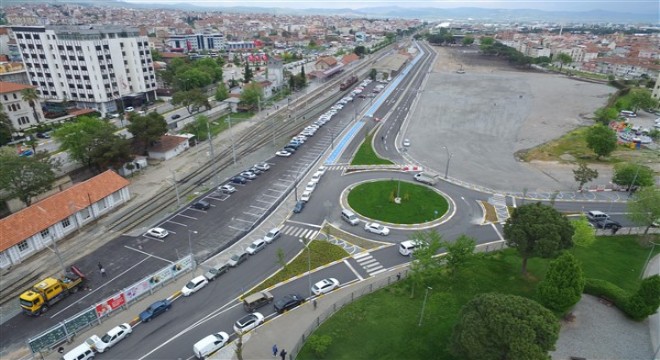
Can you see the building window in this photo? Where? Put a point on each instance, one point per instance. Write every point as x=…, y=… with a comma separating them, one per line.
x=66, y=223
x=116, y=197
x=103, y=203
x=85, y=213
x=45, y=233
x=23, y=246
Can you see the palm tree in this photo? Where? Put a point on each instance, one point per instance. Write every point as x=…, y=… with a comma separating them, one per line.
x=6, y=122
x=30, y=95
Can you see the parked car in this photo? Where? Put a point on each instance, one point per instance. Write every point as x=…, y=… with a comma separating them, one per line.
x=175, y=116
x=154, y=310
x=310, y=186
x=129, y=109
x=194, y=285
x=305, y=196
x=300, y=205
x=321, y=170
x=158, y=233
x=216, y=271
x=238, y=180
x=406, y=142
x=256, y=246
x=262, y=166
x=113, y=336
x=290, y=148
x=272, y=235
x=255, y=170
x=283, y=153
x=325, y=286
x=608, y=224
x=227, y=189
x=201, y=205
x=210, y=344
x=377, y=228
x=248, y=322
x=42, y=135
x=236, y=259
x=248, y=175
x=288, y=302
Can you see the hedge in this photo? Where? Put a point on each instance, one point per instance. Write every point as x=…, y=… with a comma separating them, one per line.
x=607, y=290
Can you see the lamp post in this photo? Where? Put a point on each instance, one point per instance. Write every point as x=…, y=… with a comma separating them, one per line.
x=449, y=155
x=295, y=186
x=231, y=134
x=194, y=263
x=421, y=316
x=309, y=265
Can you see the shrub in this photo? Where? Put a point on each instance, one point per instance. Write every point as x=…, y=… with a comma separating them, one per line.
x=563, y=283
x=319, y=344
x=646, y=300
x=606, y=289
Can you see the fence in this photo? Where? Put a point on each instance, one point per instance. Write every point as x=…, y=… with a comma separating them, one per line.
x=67, y=329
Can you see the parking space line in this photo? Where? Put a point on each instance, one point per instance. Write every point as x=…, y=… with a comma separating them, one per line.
x=219, y=199
x=174, y=222
x=193, y=209
x=235, y=228
x=239, y=219
x=256, y=207
x=265, y=202
x=152, y=238
x=251, y=214
x=270, y=196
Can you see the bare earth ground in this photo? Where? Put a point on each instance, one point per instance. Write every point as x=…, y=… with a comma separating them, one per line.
x=494, y=110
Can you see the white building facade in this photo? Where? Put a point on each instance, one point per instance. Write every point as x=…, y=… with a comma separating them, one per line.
x=19, y=111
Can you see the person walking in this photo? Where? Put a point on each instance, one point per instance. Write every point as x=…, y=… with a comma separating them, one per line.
x=283, y=354
x=100, y=266
x=274, y=350
x=103, y=274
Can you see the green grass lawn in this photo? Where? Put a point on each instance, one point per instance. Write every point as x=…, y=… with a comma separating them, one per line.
x=367, y=156
x=384, y=325
x=376, y=200
x=321, y=253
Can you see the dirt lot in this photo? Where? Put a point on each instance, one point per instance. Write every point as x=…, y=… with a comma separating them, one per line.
x=493, y=110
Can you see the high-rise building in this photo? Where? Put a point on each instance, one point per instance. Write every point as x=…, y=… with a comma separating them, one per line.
x=196, y=42
x=102, y=68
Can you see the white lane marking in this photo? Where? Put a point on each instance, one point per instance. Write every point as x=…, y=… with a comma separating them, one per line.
x=174, y=222
x=302, y=223
x=353, y=270
x=190, y=217
x=497, y=231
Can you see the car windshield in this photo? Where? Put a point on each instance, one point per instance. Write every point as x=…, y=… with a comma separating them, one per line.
x=218, y=337
x=235, y=257
x=106, y=338
x=190, y=285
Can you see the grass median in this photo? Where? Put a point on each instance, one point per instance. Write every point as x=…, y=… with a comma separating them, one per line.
x=385, y=324
x=367, y=156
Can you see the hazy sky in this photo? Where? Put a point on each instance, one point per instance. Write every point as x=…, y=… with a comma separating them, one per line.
x=632, y=6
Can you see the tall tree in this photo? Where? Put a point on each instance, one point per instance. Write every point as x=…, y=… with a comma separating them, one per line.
x=360, y=50
x=497, y=326
x=601, y=139
x=642, y=98
x=192, y=100
x=247, y=73
x=537, y=230
x=458, y=252
x=25, y=177
x=562, y=286
x=252, y=94
x=147, y=129
x=606, y=114
x=424, y=264
x=31, y=97
x=302, y=78
x=633, y=175
x=584, y=234
x=221, y=93
x=82, y=138
x=583, y=174
x=563, y=59
x=644, y=208
x=468, y=40
x=292, y=83
x=6, y=127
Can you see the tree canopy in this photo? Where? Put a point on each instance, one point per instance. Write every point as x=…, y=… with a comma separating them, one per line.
x=25, y=177
x=601, y=139
x=632, y=175
x=538, y=230
x=184, y=75
x=584, y=234
x=563, y=59
x=497, y=326
x=221, y=93
x=644, y=208
x=252, y=94
x=562, y=286
x=424, y=265
x=147, y=129
x=192, y=100
x=583, y=174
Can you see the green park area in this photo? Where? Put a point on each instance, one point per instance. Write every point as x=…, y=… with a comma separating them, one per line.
x=387, y=323
x=376, y=200
x=366, y=154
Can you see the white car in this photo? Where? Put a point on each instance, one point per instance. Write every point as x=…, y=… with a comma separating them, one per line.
x=129, y=109
x=227, y=189
x=305, y=196
x=377, y=228
x=158, y=233
x=262, y=166
x=273, y=234
x=248, y=322
x=210, y=344
x=310, y=186
x=115, y=335
x=321, y=170
x=283, y=153
x=256, y=246
x=406, y=142
x=316, y=177
x=194, y=285
x=325, y=286
x=248, y=175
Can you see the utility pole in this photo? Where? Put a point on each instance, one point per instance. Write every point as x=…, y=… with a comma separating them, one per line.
x=176, y=188
x=215, y=163
x=231, y=133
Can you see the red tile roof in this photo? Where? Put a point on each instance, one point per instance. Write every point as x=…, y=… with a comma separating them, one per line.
x=167, y=142
x=53, y=209
x=10, y=87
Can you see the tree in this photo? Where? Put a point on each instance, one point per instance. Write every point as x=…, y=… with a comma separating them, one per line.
x=563, y=283
x=199, y=127
x=301, y=81
x=632, y=175
x=156, y=55
x=6, y=127
x=373, y=73
x=252, y=94
x=292, y=83
x=601, y=139
x=497, y=326
x=25, y=177
x=247, y=73
x=192, y=100
x=458, y=252
x=221, y=93
x=30, y=96
x=360, y=50
x=644, y=208
x=424, y=264
x=583, y=174
x=563, y=59
x=147, y=129
x=468, y=40
x=642, y=99
x=584, y=234
x=537, y=230
x=646, y=300
x=112, y=153
x=606, y=114
x=82, y=138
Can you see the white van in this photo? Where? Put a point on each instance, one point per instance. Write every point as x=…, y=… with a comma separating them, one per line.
x=595, y=215
x=627, y=113
x=350, y=217
x=80, y=352
x=210, y=344
x=406, y=248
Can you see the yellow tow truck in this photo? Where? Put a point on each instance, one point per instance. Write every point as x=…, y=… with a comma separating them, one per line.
x=49, y=291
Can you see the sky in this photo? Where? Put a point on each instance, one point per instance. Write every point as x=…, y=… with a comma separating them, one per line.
x=632, y=6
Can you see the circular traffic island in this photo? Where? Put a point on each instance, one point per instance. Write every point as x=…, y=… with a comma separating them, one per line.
x=397, y=202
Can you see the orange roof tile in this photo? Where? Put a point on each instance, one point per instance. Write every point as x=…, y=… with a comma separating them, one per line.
x=53, y=209
x=10, y=87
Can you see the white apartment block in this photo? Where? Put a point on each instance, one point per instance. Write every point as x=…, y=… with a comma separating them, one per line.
x=101, y=68
x=19, y=111
x=196, y=42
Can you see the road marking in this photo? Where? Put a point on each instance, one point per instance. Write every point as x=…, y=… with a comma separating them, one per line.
x=497, y=231
x=174, y=222
x=251, y=214
x=256, y=207
x=239, y=219
x=148, y=254
x=217, y=198
x=190, y=217
x=265, y=202
x=353, y=270
x=306, y=224
x=271, y=196
x=235, y=228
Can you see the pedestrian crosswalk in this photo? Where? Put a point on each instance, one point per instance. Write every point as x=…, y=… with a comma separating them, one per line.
x=368, y=263
x=299, y=232
x=335, y=167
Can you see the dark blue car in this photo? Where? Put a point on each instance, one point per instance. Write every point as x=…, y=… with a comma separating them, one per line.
x=300, y=205
x=154, y=310
x=238, y=180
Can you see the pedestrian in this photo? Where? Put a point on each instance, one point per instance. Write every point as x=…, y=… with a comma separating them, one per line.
x=283, y=354
x=274, y=350
x=100, y=266
x=314, y=303
x=103, y=274
x=614, y=230
x=398, y=276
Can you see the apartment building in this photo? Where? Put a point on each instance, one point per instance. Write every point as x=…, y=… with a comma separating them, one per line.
x=196, y=42
x=21, y=114
x=100, y=68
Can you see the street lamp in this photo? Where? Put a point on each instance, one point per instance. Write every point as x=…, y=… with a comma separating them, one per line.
x=194, y=263
x=231, y=134
x=449, y=155
x=309, y=265
x=295, y=186
x=421, y=316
